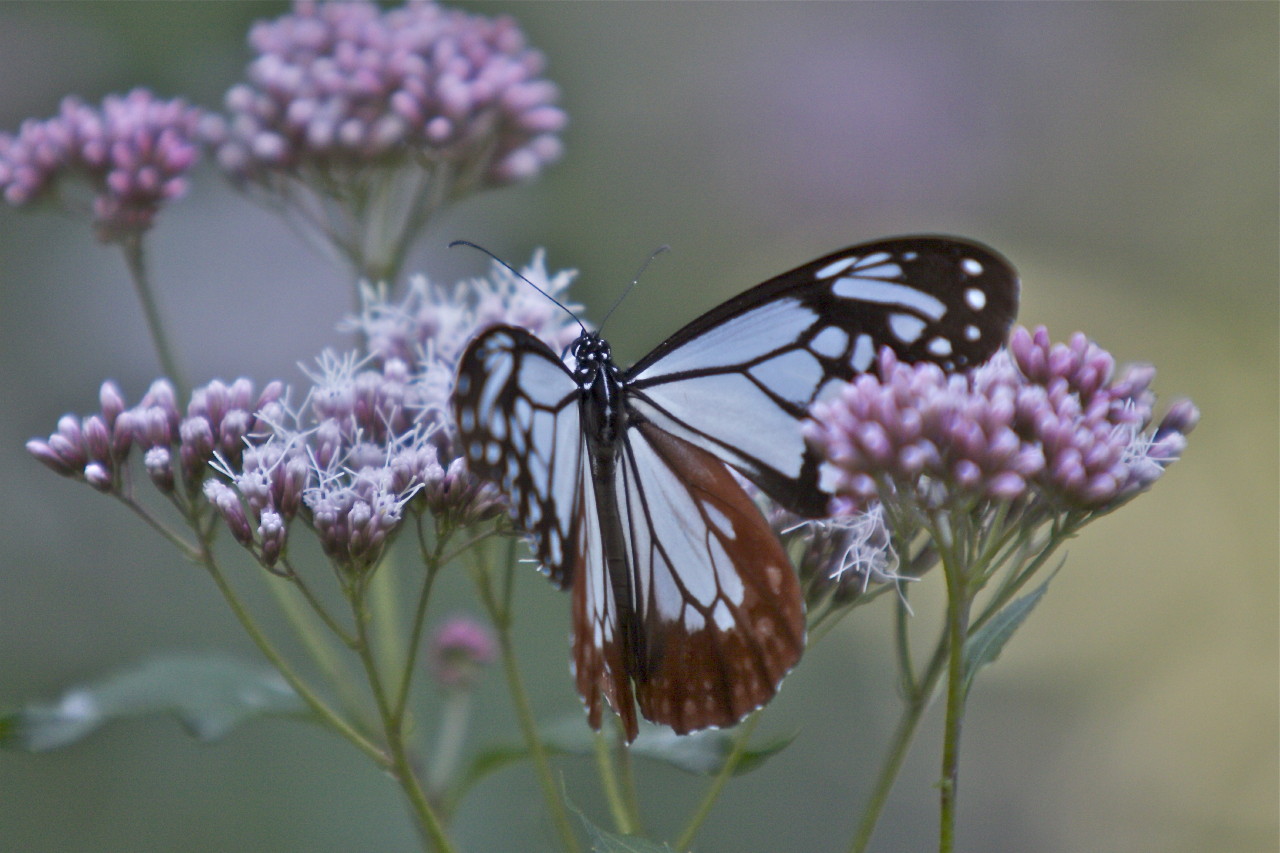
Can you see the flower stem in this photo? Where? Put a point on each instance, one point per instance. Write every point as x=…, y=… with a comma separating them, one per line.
x=455, y=718
x=135, y=259
x=432, y=565
x=717, y=784
x=959, y=602
x=916, y=692
x=318, y=706
x=500, y=614
x=608, y=772
x=429, y=823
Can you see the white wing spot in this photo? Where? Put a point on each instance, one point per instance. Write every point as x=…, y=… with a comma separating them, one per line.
x=830, y=342
x=498, y=424
x=540, y=473
x=524, y=412
x=719, y=520
x=864, y=352
x=693, y=620
x=723, y=616
x=883, y=271
x=975, y=297
x=499, y=373
x=971, y=266
x=467, y=420
x=543, y=434
x=874, y=258
x=939, y=346
x=906, y=327
x=887, y=293
x=463, y=384
x=492, y=453
x=831, y=387
x=475, y=450
x=972, y=332
x=770, y=326
x=792, y=375
x=836, y=267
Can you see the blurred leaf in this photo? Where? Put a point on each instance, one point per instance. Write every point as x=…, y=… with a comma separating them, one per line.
x=703, y=752
x=611, y=842
x=209, y=694
x=985, y=645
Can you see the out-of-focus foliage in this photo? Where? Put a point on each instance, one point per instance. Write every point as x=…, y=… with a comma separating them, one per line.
x=1123, y=155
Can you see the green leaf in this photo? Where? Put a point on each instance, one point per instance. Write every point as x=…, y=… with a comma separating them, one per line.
x=985, y=644
x=703, y=753
x=611, y=842
x=209, y=694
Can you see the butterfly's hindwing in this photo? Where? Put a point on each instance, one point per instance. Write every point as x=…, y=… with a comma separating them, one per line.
x=739, y=379
x=718, y=602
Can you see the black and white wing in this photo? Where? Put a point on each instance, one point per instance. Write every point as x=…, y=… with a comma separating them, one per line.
x=684, y=601
x=718, y=609
x=738, y=380
x=519, y=423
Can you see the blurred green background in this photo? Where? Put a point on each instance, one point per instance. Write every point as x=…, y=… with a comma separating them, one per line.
x=1124, y=155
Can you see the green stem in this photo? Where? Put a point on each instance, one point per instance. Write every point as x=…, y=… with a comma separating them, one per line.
x=326, y=714
x=627, y=775
x=432, y=564
x=135, y=259
x=188, y=550
x=959, y=602
x=383, y=595
x=717, y=784
x=608, y=772
x=917, y=702
x=501, y=618
x=429, y=823
x=1018, y=578
x=315, y=642
x=294, y=579
x=889, y=769
x=455, y=717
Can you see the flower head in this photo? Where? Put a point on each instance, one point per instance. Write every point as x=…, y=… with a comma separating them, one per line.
x=132, y=155
x=1041, y=422
x=434, y=322
x=459, y=649
x=363, y=121
x=371, y=443
x=838, y=559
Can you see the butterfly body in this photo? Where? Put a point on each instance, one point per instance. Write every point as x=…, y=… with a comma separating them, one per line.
x=684, y=601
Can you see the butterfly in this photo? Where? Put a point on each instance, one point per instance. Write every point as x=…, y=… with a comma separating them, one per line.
x=684, y=601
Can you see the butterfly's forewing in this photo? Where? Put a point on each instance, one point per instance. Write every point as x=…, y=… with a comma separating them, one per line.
x=516, y=407
x=739, y=379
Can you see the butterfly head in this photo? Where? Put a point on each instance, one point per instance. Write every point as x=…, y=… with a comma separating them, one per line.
x=591, y=353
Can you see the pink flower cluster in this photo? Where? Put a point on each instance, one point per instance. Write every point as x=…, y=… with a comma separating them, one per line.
x=132, y=153
x=1039, y=420
x=346, y=83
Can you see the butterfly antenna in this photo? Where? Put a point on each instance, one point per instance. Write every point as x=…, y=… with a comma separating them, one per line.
x=658, y=251
x=520, y=276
